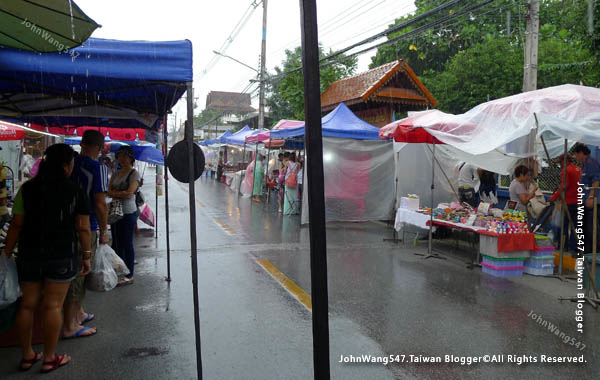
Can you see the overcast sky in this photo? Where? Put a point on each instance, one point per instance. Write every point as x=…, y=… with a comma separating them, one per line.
x=209, y=23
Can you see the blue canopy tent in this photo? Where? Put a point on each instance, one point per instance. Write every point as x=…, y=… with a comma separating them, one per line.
x=218, y=140
x=238, y=138
x=105, y=83
x=340, y=123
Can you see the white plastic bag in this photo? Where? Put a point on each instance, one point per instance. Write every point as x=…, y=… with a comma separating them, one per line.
x=106, y=269
x=556, y=215
x=9, y=281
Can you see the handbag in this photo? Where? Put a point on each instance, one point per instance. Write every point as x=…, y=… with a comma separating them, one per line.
x=139, y=198
x=115, y=211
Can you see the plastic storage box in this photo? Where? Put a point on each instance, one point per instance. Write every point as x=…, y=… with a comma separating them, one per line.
x=496, y=271
x=542, y=251
x=504, y=262
x=545, y=270
x=540, y=261
x=488, y=245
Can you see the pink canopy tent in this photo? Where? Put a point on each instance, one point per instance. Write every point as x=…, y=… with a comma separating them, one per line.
x=266, y=136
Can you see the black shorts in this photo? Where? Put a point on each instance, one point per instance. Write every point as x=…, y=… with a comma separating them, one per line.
x=62, y=270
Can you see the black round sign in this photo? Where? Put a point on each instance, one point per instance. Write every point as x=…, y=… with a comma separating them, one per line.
x=178, y=162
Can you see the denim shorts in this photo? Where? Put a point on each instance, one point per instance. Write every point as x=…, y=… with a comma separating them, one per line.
x=60, y=270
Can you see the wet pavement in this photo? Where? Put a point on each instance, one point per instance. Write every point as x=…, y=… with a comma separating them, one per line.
x=383, y=301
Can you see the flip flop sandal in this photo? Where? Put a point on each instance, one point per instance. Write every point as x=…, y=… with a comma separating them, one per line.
x=125, y=282
x=56, y=363
x=88, y=318
x=38, y=356
x=78, y=333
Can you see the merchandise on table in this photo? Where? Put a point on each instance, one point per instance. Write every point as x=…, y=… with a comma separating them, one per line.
x=493, y=270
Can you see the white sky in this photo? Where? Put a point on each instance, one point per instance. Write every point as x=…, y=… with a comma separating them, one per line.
x=208, y=24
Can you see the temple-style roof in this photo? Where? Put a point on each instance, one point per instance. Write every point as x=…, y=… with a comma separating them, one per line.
x=394, y=82
x=234, y=102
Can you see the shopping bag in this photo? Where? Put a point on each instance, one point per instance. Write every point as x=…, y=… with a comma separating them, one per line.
x=9, y=281
x=147, y=215
x=115, y=211
x=106, y=269
x=556, y=215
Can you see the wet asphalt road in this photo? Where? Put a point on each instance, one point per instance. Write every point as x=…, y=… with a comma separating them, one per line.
x=383, y=301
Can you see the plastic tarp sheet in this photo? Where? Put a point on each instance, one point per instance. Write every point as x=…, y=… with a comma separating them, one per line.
x=340, y=122
x=413, y=172
x=495, y=135
x=266, y=135
x=125, y=84
x=359, y=180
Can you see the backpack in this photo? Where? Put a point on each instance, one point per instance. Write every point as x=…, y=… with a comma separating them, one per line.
x=292, y=179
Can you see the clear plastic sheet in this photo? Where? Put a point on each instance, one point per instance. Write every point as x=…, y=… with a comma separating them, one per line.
x=359, y=180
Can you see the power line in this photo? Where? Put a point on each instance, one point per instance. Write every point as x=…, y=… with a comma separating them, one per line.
x=411, y=33
x=234, y=33
x=398, y=27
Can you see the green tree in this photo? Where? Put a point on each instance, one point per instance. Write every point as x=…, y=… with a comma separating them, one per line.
x=205, y=116
x=285, y=97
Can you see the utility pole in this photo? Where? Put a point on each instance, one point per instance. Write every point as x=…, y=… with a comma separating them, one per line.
x=263, y=58
x=531, y=46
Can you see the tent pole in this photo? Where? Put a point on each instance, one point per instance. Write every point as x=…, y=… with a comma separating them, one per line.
x=429, y=248
x=156, y=201
x=244, y=170
x=267, y=174
x=316, y=195
x=562, y=212
x=166, y=174
x=254, y=169
x=189, y=136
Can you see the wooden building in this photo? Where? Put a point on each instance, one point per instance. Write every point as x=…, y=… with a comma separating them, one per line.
x=375, y=95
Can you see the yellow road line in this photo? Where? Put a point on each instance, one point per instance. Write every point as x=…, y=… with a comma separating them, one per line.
x=287, y=283
x=199, y=203
x=224, y=226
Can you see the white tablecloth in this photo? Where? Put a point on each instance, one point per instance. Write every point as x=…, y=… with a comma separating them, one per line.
x=405, y=216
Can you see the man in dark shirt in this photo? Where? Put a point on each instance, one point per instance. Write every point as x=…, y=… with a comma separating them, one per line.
x=92, y=178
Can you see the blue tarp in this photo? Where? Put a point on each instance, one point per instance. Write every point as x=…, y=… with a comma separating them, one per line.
x=106, y=83
x=76, y=140
x=218, y=140
x=340, y=122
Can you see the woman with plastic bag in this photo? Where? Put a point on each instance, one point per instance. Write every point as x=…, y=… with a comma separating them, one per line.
x=49, y=210
x=122, y=187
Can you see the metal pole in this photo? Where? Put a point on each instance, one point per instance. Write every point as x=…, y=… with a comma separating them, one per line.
x=244, y=170
x=594, y=237
x=254, y=169
x=166, y=174
x=189, y=134
x=429, y=245
x=316, y=193
x=267, y=174
x=263, y=58
x=562, y=212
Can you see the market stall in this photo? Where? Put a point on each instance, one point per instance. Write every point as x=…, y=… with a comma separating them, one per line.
x=359, y=185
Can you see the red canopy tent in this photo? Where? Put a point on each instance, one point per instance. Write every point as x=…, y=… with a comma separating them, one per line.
x=122, y=134
x=408, y=131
